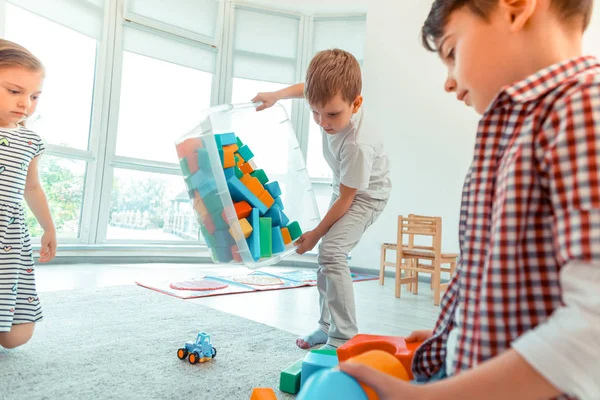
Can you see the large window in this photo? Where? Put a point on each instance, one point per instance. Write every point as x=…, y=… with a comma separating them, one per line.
x=68, y=48
x=126, y=78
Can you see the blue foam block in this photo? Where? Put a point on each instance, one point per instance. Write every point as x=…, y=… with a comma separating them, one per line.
x=246, y=153
x=285, y=221
x=224, y=239
x=203, y=182
x=273, y=189
x=329, y=384
x=254, y=238
x=225, y=139
x=314, y=362
x=229, y=172
x=239, y=192
x=203, y=160
x=223, y=254
x=275, y=214
x=279, y=202
x=278, y=244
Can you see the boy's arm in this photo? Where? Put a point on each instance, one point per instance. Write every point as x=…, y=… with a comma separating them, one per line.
x=268, y=99
x=309, y=240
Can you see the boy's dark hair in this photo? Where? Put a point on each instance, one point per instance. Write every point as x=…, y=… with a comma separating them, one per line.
x=434, y=26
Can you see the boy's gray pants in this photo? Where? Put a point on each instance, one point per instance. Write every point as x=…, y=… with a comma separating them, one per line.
x=336, y=294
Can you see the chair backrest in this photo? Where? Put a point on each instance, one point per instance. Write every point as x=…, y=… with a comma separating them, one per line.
x=419, y=225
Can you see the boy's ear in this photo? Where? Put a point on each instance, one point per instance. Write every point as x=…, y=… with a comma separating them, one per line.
x=518, y=12
x=357, y=103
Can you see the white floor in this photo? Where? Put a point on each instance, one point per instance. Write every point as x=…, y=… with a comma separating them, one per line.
x=292, y=310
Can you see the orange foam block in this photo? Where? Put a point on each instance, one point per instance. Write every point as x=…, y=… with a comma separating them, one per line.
x=263, y=394
x=192, y=162
x=228, y=156
x=188, y=147
x=287, y=238
x=242, y=209
x=383, y=362
x=254, y=185
x=394, y=345
x=267, y=199
x=246, y=168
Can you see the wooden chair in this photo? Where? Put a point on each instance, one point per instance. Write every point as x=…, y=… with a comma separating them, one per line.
x=409, y=256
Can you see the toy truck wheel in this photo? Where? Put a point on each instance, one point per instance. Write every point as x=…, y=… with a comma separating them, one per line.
x=182, y=353
x=214, y=352
x=194, y=358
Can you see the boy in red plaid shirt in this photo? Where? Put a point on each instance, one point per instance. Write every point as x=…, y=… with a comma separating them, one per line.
x=521, y=317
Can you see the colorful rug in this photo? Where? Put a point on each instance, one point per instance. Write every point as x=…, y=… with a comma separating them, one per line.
x=256, y=281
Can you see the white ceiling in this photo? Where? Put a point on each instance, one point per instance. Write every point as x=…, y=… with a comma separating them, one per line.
x=315, y=6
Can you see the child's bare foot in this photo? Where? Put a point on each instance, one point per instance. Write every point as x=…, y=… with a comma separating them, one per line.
x=312, y=340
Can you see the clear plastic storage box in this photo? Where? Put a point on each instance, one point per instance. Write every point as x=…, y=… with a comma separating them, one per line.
x=248, y=184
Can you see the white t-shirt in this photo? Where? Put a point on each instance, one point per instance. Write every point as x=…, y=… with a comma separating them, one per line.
x=358, y=160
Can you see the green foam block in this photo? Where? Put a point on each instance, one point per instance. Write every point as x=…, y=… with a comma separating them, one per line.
x=331, y=352
x=289, y=379
x=266, y=244
x=295, y=231
x=261, y=176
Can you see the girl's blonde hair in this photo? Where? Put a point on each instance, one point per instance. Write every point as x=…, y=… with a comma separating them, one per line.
x=15, y=55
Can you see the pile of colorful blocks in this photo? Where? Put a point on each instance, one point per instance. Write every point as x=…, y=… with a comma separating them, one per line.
x=257, y=202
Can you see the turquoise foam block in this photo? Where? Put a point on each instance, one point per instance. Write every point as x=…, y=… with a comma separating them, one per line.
x=202, y=181
x=279, y=202
x=246, y=153
x=213, y=203
x=329, y=384
x=273, y=189
x=275, y=214
x=254, y=238
x=278, y=244
x=284, y=219
x=203, y=160
x=239, y=192
x=225, y=139
x=229, y=172
x=223, y=239
x=314, y=362
x=223, y=254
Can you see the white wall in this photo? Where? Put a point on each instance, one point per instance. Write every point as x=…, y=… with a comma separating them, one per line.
x=429, y=135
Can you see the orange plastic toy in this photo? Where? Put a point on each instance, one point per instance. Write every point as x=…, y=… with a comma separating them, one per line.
x=263, y=394
x=393, y=345
x=382, y=361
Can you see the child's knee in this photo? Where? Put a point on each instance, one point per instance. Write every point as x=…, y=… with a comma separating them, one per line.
x=18, y=336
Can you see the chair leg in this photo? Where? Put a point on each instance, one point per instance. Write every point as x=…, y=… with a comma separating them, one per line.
x=416, y=283
x=436, y=290
x=382, y=266
x=398, y=278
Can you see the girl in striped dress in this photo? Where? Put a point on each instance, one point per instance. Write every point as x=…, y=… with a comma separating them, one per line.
x=21, y=78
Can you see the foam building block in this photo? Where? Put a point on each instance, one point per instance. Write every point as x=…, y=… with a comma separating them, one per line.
x=260, y=175
x=242, y=209
x=188, y=146
x=267, y=199
x=289, y=379
x=229, y=172
x=394, y=345
x=279, y=202
x=238, y=172
x=383, y=362
x=246, y=227
x=285, y=233
x=245, y=153
x=199, y=204
x=209, y=224
x=223, y=254
x=192, y=162
x=220, y=223
x=247, y=168
x=263, y=394
x=330, y=384
x=274, y=189
x=295, y=231
x=266, y=244
x=203, y=160
x=224, y=239
x=275, y=214
x=254, y=238
x=202, y=181
x=278, y=245
x=213, y=202
x=329, y=352
x=185, y=170
x=239, y=142
x=285, y=220
x=239, y=192
x=228, y=156
x=253, y=185
x=225, y=139
x=314, y=362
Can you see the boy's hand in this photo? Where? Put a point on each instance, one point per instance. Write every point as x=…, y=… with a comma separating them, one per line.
x=419, y=336
x=386, y=386
x=48, y=249
x=268, y=99
x=307, y=242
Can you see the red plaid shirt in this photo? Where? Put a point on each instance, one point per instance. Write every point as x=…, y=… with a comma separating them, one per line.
x=530, y=205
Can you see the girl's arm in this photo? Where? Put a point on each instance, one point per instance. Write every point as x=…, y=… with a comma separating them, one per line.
x=36, y=199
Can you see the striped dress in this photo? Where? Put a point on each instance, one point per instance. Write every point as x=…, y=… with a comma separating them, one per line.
x=19, y=302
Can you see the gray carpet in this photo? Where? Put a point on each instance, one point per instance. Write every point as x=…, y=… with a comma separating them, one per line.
x=121, y=343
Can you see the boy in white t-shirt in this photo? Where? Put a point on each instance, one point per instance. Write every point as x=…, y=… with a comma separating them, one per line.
x=361, y=185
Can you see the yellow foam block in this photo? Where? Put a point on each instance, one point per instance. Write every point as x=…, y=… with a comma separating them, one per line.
x=287, y=238
x=246, y=227
x=267, y=199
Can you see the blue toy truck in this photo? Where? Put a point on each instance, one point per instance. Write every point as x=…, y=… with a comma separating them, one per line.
x=199, y=351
